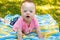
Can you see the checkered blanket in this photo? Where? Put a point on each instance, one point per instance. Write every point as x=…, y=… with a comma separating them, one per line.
x=48, y=27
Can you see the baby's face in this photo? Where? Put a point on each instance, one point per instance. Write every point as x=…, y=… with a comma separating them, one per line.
x=28, y=10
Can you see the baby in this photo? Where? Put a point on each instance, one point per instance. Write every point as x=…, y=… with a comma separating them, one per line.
x=27, y=22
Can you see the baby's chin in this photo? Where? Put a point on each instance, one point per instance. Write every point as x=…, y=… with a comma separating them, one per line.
x=28, y=18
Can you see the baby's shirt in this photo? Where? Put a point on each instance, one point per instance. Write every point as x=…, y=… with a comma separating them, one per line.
x=21, y=24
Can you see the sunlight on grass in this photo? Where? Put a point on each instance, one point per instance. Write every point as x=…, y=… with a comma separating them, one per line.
x=42, y=7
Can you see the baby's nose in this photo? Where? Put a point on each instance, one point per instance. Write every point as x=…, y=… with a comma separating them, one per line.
x=28, y=13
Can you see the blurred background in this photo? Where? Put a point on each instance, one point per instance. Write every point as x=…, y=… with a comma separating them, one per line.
x=51, y=7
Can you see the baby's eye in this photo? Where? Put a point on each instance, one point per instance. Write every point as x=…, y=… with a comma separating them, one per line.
x=25, y=10
x=31, y=11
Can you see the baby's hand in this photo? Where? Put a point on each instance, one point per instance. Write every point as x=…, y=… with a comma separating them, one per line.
x=40, y=36
x=19, y=39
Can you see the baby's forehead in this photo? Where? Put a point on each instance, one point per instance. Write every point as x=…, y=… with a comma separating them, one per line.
x=28, y=5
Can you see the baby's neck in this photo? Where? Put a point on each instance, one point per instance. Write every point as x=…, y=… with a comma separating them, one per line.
x=28, y=21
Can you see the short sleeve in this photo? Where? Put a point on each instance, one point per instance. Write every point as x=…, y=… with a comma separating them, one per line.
x=17, y=25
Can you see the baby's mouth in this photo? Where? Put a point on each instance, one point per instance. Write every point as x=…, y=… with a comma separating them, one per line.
x=27, y=16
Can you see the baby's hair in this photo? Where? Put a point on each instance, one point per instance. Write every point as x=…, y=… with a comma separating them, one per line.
x=28, y=1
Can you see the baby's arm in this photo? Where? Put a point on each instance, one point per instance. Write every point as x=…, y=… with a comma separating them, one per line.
x=19, y=34
x=38, y=32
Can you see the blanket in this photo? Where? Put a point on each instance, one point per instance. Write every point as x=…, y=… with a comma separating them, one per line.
x=48, y=27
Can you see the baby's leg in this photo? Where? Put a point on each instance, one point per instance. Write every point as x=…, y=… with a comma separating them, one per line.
x=4, y=21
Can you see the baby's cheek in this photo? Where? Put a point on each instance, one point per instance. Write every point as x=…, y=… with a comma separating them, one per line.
x=32, y=15
x=23, y=15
